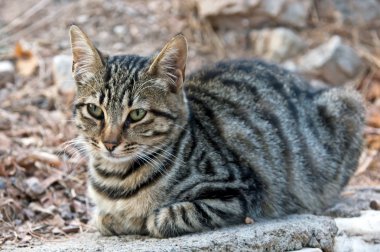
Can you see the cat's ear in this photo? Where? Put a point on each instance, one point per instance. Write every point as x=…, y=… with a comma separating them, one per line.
x=87, y=60
x=171, y=62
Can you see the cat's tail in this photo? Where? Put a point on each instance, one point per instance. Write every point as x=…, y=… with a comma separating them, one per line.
x=342, y=112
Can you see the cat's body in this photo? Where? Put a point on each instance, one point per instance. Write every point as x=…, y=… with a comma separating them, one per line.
x=239, y=139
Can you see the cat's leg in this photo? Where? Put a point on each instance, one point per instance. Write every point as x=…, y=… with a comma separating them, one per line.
x=118, y=224
x=104, y=224
x=188, y=217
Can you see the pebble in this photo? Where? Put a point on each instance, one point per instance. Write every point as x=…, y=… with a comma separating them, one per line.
x=7, y=73
x=120, y=30
x=33, y=187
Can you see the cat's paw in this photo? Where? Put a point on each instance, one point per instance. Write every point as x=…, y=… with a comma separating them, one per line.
x=154, y=222
x=103, y=223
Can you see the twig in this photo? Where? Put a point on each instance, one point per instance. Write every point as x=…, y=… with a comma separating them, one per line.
x=34, y=25
x=23, y=18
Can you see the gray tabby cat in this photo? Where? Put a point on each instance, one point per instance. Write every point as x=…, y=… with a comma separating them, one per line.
x=170, y=156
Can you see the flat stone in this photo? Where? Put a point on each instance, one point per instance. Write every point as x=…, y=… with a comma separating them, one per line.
x=277, y=44
x=290, y=233
x=334, y=62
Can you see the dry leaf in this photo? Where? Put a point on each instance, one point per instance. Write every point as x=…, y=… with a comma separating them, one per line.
x=26, y=61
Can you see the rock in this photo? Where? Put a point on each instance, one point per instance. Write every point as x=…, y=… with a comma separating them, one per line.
x=333, y=61
x=227, y=13
x=33, y=187
x=277, y=44
x=120, y=30
x=288, y=12
x=353, y=201
x=7, y=73
x=62, y=74
x=359, y=233
x=289, y=233
x=366, y=224
x=211, y=8
x=353, y=12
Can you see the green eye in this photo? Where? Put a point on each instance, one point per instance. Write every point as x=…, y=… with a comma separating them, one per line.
x=95, y=111
x=137, y=115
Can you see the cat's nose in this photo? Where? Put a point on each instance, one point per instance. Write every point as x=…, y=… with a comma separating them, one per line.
x=110, y=146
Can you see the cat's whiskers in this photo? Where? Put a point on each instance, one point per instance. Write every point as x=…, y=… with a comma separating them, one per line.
x=153, y=163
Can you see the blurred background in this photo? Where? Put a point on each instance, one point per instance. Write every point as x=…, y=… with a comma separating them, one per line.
x=43, y=174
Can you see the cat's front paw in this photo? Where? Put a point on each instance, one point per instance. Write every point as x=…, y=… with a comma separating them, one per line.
x=172, y=221
x=154, y=222
x=104, y=224
x=161, y=223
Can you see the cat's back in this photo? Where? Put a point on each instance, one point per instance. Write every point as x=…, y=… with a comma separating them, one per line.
x=293, y=135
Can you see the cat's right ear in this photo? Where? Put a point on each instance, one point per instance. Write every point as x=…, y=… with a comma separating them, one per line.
x=171, y=62
x=87, y=60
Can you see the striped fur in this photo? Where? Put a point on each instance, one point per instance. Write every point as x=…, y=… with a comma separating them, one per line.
x=239, y=139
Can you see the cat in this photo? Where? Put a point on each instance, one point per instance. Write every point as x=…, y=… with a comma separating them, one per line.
x=171, y=155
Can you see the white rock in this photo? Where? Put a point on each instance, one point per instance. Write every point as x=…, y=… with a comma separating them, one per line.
x=7, y=72
x=277, y=44
x=6, y=66
x=82, y=19
x=63, y=79
x=120, y=30
x=335, y=62
x=358, y=233
x=208, y=8
x=368, y=223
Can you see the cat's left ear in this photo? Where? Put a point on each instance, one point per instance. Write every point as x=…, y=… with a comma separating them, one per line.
x=171, y=62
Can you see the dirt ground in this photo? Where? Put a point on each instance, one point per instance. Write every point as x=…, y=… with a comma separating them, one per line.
x=42, y=172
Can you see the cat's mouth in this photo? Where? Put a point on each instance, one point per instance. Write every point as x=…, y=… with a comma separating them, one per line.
x=115, y=157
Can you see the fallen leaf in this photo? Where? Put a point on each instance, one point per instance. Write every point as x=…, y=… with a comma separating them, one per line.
x=26, y=60
x=44, y=157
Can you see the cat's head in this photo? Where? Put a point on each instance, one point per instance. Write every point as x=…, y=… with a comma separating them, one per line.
x=128, y=106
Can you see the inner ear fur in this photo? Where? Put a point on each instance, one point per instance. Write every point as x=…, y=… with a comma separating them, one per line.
x=171, y=61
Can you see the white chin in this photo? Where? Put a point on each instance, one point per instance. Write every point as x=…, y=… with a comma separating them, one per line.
x=116, y=159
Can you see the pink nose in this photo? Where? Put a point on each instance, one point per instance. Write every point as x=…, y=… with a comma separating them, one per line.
x=110, y=146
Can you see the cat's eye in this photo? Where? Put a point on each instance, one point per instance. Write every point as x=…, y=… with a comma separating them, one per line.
x=95, y=111
x=137, y=115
